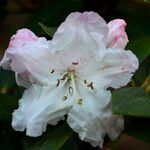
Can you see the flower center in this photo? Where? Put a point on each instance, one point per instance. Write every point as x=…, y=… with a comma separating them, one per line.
x=70, y=78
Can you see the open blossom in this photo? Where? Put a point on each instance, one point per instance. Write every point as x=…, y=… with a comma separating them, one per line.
x=70, y=75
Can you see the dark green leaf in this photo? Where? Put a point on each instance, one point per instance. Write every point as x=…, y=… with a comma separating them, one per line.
x=131, y=102
x=49, y=30
x=9, y=138
x=70, y=143
x=53, y=14
x=54, y=140
x=141, y=48
x=7, y=105
x=10, y=93
x=142, y=73
x=7, y=82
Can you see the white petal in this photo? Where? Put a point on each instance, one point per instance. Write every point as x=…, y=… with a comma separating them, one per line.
x=38, y=107
x=81, y=31
x=113, y=124
x=114, y=70
x=89, y=119
x=118, y=67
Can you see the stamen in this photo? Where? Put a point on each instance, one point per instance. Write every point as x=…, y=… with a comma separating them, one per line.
x=64, y=77
x=58, y=82
x=79, y=101
x=64, y=98
x=52, y=71
x=75, y=63
x=70, y=77
x=85, y=85
x=85, y=81
x=90, y=85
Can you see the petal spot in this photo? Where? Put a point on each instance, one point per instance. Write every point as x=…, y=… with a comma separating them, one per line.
x=64, y=98
x=75, y=63
x=52, y=71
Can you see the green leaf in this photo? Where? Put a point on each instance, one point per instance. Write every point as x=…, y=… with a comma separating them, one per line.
x=146, y=1
x=10, y=93
x=142, y=73
x=71, y=143
x=7, y=105
x=141, y=48
x=9, y=138
x=7, y=82
x=53, y=14
x=131, y=102
x=49, y=30
x=54, y=140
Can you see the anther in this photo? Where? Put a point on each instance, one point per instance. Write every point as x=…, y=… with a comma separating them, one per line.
x=75, y=63
x=52, y=71
x=64, y=98
x=79, y=101
x=71, y=90
x=63, y=78
x=58, y=82
x=91, y=85
x=85, y=81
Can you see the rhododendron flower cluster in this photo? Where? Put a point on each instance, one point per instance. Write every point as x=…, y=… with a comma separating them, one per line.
x=70, y=76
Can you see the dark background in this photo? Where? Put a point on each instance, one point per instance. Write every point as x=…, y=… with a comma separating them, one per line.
x=15, y=14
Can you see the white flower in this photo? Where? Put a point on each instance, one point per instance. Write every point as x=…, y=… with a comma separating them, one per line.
x=69, y=75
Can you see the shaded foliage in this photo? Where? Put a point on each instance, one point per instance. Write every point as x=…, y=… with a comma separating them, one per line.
x=131, y=102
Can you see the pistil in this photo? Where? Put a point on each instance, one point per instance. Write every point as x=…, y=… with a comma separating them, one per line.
x=73, y=85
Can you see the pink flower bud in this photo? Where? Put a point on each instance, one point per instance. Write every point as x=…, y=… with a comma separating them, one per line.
x=25, y=35
x=117, y=37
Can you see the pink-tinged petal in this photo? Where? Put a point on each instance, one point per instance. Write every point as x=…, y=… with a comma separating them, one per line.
x=21, y=37
x=81, y=31
x=24, y=35
x=117, y=37
x=27, y=55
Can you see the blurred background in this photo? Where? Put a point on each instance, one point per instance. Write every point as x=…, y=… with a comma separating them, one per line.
x=16, y=14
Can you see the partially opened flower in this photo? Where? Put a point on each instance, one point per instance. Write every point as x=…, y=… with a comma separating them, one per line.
x=69, y=75
x=117, y=37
